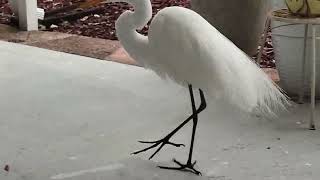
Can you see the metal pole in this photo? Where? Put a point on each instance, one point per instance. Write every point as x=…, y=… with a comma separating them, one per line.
x=313, y=79
x=304, y=57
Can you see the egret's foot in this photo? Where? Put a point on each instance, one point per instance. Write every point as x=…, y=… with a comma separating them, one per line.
x=159, y=143
x=187, y=167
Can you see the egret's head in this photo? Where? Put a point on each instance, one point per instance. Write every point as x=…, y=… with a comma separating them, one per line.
x=128, y=19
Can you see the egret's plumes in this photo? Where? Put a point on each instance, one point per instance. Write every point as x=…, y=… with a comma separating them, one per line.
x=184, y=47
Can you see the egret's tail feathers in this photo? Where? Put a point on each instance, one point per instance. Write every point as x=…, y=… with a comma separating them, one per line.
x=247, y=86
x=272, y=99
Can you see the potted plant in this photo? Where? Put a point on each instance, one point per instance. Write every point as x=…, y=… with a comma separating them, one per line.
x=242, y=21
x=307, y=8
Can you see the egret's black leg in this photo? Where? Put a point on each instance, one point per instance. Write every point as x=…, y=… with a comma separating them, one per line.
x=166, y=139
x=189, y=166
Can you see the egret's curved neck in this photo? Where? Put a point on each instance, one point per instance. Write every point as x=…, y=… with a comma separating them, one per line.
x=135, y=44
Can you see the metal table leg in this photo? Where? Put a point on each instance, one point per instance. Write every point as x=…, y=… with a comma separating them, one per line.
x=313, y=78
x=304, y=57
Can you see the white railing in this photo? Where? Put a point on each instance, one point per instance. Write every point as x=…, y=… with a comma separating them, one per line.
x=27, y=12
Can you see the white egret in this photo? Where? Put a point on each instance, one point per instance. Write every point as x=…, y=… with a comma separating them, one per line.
x=184, y=47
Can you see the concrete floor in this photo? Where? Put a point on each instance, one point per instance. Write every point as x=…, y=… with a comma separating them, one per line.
x=70, y=117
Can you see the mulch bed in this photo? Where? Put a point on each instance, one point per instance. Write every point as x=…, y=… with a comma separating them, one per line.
x=101, y=24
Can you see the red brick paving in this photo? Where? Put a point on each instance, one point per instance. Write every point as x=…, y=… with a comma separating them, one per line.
x=121, y=56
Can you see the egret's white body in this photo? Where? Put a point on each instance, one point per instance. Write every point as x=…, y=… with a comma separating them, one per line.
x=184, y=47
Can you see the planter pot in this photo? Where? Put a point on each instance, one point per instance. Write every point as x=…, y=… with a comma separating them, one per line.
x=242, y=21
x=288, y=46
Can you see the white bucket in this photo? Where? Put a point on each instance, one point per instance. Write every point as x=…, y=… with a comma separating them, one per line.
x=288, y=46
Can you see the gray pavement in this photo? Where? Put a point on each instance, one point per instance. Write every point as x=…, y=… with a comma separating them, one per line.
x=64, y=116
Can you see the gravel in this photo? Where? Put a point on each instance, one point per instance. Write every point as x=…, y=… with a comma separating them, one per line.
x=102, y=25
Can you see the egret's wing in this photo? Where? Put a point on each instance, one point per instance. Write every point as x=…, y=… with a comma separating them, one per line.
x=189, y=50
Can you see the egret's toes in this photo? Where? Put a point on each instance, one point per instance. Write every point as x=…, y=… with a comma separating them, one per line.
x=156, y=151
x=188, y=167
x=146, y=149
x=176, y=145
x=148, y=142
x=161, y=142
x=177, y=162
